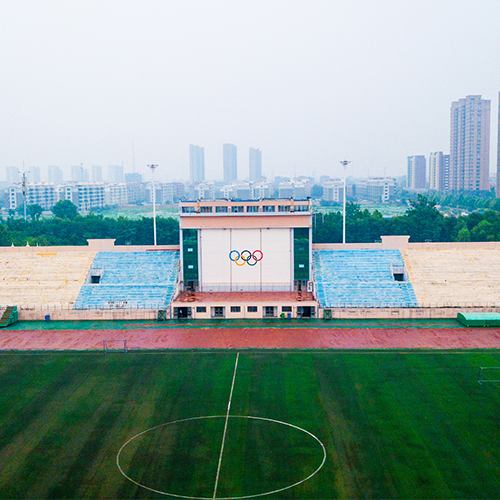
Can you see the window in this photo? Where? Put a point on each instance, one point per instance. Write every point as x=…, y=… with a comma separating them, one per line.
x=217, y=312
x=237, y=208
x=252, y=309
x=201, y=309
x=206, y=210
x=235, y=309
x=188, y=210
x=301, y=208
x=221, y=209
x=268, y=208
x=286, y=309
x=252, y=208
x=283, y=208
x=269, y=312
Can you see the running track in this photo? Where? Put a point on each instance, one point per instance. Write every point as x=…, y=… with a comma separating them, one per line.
x=259, y=338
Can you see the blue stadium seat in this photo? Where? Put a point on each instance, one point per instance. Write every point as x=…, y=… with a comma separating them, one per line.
x=130, y=280
x=360, y=278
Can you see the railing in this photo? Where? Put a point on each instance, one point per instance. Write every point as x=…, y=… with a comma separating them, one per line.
x=344, y=305
x=425, y=305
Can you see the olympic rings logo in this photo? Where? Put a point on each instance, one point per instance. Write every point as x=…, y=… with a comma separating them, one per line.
x=245, y=257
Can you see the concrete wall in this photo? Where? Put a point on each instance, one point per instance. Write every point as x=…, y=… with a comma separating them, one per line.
x=86, y=315
x=409, y=313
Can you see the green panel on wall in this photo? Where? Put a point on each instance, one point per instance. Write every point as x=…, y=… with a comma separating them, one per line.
x=301, y=253
x=190, y=254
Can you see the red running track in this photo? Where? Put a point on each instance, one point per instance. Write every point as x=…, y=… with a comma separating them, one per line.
x=259, y=338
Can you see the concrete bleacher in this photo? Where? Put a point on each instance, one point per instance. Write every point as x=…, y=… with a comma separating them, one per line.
x=35, y=279
x=454, y=276
x=360, y=278
x=128, y=280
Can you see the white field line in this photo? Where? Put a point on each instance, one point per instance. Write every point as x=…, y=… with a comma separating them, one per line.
x=225, y=427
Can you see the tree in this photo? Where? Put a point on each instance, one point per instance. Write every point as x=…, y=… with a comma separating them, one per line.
x=34, y=211
x=316, y=192
x=425, y=222
x=65, y=209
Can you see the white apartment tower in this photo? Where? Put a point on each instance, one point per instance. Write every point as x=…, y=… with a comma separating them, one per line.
x=439, y=170
x=416, y=172
x=470, y=144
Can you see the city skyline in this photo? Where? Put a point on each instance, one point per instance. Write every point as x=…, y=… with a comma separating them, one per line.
x=323, y=82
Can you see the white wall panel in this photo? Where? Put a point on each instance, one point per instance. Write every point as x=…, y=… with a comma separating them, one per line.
x=276, y=264
x=217, y=268
x=245, y=239
x=214, y=248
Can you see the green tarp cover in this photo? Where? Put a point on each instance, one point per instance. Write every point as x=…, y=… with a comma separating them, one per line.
x=479, y=319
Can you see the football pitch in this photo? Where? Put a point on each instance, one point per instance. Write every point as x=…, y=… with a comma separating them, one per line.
x=249, y=424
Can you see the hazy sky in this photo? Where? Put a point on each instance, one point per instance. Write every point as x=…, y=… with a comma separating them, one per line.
x=309, y=83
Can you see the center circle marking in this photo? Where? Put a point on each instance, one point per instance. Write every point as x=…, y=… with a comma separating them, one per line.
x=222, y=416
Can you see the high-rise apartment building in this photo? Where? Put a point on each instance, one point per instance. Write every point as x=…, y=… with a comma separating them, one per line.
x=255, y=163
x=115, y=173
x=12, y=174
x=416, y=172
x=55, y=174
x=196, y=163
x=34, y=174
x=470, y=144
x=229, y=159
x=79, y=174
x=96, y=173
x=439, y=170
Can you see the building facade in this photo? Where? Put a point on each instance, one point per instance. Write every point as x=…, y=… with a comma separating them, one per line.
x=55, y=174
x=469, y=144
x=230, y=163
x=377, y=189
x=333, y=190
x=96, y=173
x=246, y=246
x=255, y=164
x=439, y=171
x=416, y=172
x=115, y=173
x=196, y=163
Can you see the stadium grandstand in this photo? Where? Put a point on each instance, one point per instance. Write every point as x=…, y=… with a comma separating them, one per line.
x=251, y=259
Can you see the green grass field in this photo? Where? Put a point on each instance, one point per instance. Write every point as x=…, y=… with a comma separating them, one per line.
x=394, y=424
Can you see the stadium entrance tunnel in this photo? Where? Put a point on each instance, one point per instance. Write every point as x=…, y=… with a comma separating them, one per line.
x=182, y=312
x=306, y=312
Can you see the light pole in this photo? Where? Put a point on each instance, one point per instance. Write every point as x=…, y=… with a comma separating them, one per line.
x=24, y=186
x=344, y=163
x=153, y=167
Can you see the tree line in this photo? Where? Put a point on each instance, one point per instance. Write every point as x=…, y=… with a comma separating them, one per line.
x=68, y=227
x=422, y=222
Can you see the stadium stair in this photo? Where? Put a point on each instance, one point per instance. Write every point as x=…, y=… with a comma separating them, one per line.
x=9, y=316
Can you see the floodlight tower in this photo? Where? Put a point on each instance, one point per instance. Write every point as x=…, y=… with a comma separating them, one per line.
x=153, y=166
x=344, y=163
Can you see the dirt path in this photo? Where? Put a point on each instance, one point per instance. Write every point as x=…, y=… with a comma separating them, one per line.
x=264, y=338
